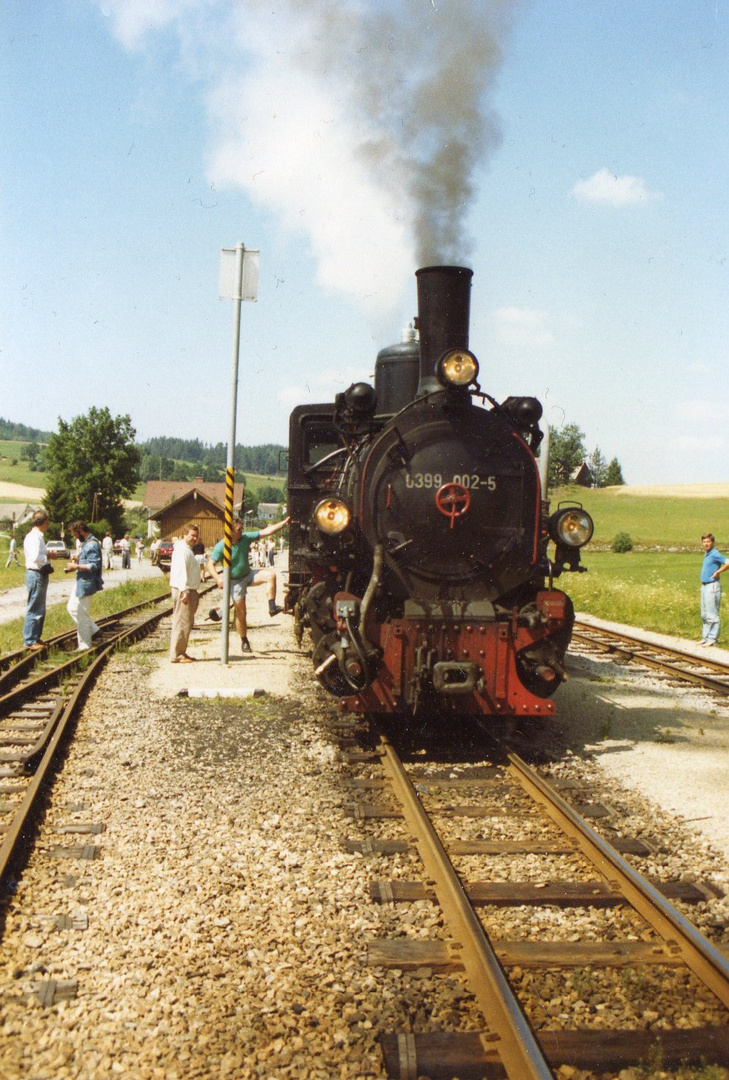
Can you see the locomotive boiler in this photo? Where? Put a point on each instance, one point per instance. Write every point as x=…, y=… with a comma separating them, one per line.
x=423, y=552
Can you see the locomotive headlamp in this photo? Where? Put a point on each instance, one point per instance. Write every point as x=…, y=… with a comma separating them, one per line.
x=332, y=516
x=458, y=368
x=572, y=527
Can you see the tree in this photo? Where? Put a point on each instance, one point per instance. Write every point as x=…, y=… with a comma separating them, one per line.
x=598, y=467
x=614, y=474
x=270, y=493
x=566, y=453
x=92, y=464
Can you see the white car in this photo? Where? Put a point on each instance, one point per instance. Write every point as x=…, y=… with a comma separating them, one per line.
x=56, y=549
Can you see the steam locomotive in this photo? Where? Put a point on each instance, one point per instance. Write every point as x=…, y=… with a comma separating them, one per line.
x=419, y=544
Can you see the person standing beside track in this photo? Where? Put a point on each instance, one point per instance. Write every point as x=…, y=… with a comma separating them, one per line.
x=241, y=574
x=714, y=564
x=37, y=571
x=107, y=548
x=87, y=564
x=12, y=552
x=184, y=586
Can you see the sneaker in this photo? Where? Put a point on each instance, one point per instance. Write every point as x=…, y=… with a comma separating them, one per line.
x=245, y=645
x=709, y=644
x=274, y=609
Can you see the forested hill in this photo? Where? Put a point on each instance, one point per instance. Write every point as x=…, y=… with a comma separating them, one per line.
x=18, y=432
x=266, y=460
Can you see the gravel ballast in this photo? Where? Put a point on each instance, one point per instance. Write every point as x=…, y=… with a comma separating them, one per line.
x=227, y=928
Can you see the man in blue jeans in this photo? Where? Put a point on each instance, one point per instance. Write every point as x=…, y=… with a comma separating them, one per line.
x=713, y=565
x=37, y=569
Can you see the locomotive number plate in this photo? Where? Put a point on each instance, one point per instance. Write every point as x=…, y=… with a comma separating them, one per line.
x=471, y=481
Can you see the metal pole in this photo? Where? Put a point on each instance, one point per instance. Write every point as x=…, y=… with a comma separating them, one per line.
x=230, y=465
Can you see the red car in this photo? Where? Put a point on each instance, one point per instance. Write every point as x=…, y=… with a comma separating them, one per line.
x=164, y=555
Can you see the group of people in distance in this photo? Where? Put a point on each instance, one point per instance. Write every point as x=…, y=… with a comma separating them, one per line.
x=185, y=578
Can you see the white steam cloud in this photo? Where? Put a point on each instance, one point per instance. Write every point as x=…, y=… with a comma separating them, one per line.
x=358, y=123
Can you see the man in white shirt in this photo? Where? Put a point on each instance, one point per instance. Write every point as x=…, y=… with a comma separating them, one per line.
x=184, y=585
x=107, y=549
x=37, y=570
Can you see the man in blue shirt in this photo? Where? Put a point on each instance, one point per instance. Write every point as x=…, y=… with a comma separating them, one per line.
x=87, y=564
x=714, y=564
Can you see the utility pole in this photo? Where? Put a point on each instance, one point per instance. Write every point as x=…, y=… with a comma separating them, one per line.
x=238, y=282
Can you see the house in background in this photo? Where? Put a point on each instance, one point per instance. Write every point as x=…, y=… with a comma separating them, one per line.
x=191, y=508
x=581, y=476
x=174, y=503
x=17, y=513
x=269, y=511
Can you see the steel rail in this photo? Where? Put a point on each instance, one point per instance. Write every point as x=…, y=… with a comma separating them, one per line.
x=516, y=1042
x=19, y=830
x=681, y=936
x=623, y=642
x=26, y=661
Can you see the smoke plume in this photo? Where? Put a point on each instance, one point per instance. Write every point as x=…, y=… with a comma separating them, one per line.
x=359, y=124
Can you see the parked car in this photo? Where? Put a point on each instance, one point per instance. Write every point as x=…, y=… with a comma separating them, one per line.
x=164, y=555
x=57, y=550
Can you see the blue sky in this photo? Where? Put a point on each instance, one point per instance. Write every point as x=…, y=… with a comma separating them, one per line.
x=141, y=136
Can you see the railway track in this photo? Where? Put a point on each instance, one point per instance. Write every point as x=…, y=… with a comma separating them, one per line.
x=40, y=693
x=635, y=925
x=678, y=664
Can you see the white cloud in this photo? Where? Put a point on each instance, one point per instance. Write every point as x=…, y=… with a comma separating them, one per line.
x=523, y=326
x=133, y=19
x=607, y=187
x=287, y=143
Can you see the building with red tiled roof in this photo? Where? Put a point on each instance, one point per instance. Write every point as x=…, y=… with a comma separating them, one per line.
x=159, y=493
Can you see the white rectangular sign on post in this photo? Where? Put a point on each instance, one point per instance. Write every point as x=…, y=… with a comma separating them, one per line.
x=227, y=288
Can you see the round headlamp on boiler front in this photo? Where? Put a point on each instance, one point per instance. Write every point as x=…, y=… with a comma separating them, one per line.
x=332, y=516
x=571, y=526
x=457, y=367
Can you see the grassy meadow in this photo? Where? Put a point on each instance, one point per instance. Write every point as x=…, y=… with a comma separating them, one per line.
x=658, y=591
x=20, y=472
x=656, y=521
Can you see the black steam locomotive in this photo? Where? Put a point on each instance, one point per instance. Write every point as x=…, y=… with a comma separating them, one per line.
x=419, y=550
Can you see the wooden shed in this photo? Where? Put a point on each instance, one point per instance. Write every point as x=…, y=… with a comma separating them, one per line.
x=192, y=508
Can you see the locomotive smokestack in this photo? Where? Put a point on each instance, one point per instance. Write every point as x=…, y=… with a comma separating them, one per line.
x=444, y=304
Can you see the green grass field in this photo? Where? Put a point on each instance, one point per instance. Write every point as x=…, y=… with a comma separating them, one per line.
x=19, y=473
x=655, y=590
x=652, y=521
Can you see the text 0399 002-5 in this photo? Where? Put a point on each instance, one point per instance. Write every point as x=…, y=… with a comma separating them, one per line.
x=472, y=481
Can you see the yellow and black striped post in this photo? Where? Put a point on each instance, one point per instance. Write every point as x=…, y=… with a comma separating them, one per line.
x=227, y=556
x=228, y=526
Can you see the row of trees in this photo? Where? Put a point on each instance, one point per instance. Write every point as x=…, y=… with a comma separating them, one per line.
x=567, y=452
x=93, y=463
x=265, y=460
